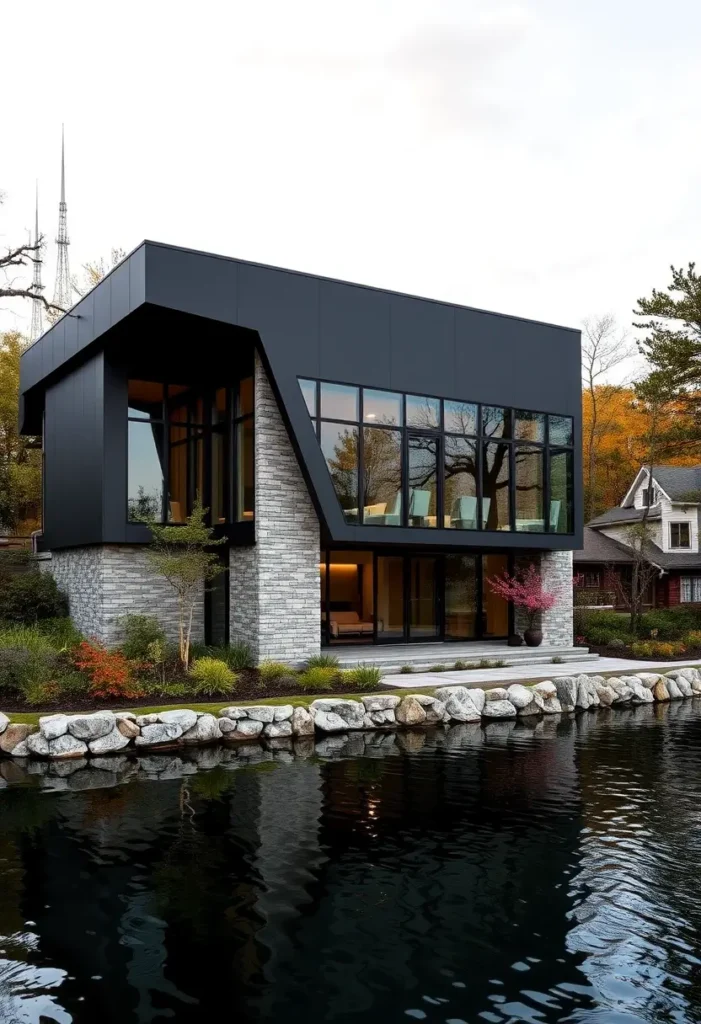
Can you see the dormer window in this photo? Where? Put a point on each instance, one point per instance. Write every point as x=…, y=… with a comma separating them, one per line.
x=650, y=496
x=679, y=535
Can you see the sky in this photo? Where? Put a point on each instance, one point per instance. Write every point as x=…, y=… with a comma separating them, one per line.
x=540, y=158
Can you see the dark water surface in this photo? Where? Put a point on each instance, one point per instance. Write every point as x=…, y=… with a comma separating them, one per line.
x=520, y=872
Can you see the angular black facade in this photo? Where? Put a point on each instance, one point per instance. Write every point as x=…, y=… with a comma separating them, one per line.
x=197, y=317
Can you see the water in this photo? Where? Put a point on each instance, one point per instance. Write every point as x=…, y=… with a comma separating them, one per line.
x=532, y=872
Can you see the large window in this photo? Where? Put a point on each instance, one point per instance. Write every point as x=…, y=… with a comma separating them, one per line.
x=421, y=461
x=185, y=444
x=690, y=591
x=679, y=535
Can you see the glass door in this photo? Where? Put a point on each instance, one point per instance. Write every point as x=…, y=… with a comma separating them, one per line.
x=461, y=597
x=424, y=620
x=390, y=598
x=495, y=610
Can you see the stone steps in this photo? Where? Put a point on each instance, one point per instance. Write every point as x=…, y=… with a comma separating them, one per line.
x=390, y=661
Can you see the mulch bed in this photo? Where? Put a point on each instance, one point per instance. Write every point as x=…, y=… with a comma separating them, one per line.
x=249, y=688
x=690, y=654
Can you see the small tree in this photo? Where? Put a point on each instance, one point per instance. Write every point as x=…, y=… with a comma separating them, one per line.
x=180, y=554
x=524, y=590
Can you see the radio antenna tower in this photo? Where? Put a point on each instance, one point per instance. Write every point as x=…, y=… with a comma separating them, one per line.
x=37, y=327
x=62, y=288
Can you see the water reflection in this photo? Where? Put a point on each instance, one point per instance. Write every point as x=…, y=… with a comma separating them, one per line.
x=529, y=871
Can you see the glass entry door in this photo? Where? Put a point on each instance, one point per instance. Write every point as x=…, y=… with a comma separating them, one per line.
x=424, y=620
x=461, y=597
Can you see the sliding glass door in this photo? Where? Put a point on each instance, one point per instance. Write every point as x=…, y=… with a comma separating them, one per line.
x=461, y=597
x=424, y=622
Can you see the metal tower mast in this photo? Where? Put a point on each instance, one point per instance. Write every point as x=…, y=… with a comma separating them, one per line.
x=37, y=327
x=62, y=288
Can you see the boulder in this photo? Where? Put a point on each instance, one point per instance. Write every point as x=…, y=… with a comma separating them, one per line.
x=240, y=729
x=233, y=713
x=38, y=745
x=142, y=720
x=21, y=749
x=158, y=732
x=277, y=730
x=552, y=706
x=128, y=728
x=67, y=746
x=695, y=686
x=352, y=712
x=13, y=734
x=659, y=690
x=520, y=696
x=478, y=697
x=264, y=713
x=545, y=689
x=92, y=727
x=410, y=712
x=125, y=716
x=53, y=726
x=648, y=679
x=641, y=694
x=457, y=710
x=283, y=713
x=566, y=687
x=583, y=698
x=496, y=693
x=607, y=694
x=536, y=706
x=674, y=692
x=4, y=722
x=685, y=686
x=499, y=709
x=329, y=721
x=205, y=730
x=182, y=717
x=435, y=709
x=444, y=693
x=625, y=695
x=115, y=740
x=302, y=723
x=381, y=719
x=381, y=702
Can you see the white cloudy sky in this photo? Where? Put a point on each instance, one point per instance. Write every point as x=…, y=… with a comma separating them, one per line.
x=540, y=157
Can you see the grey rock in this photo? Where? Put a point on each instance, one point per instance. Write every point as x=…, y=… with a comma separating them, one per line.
x=182, y=717
x=546, y=688
x=233, y=713
x=67, y=746
x=445, y=693
x=302, y=722
x=566, y=687
x=21, y=749
x=329, y=721
x=125, y=716
x=659, y=690
x=14, y=733
x=351, y=711
x=114, y=740
x=205, y=730
x=673, y=689
x=641, y=694
x=92, y=727
x=381, y=702
x=151, y=735
x=696, y=686
x=457, y=710
x=38, y=745
x=4, y=722
x=648, y=679
x=496, y=693
x=262, y=713
x=435, y=709
x=240, y=729
x=53, y=726
x=685, y=686
x=142, y=720
x=277, y=730
x=520, y=696
x=552, y=706
x=477, y=696
x=410, y=712
x=535, y=707
x=607, y=695
x=128, y=728
x=499, y=709
x=283, y=713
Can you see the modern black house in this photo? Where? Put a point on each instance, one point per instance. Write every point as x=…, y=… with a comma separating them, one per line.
x=372, y=458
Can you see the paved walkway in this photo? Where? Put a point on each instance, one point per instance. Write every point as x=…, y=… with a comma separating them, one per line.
x=496, y=676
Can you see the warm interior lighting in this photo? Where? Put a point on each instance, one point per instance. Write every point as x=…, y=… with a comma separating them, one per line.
x=341, y=565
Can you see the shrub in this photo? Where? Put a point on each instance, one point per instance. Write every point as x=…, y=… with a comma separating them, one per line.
x=108, y=671
x=657, y=649
x=36, y=693
x=237, y=656
x=692, y=639
x=438, y=668
x=617, y=644
x=318, y=677
x=30, y=596
x=139, y=633
x=669, y=624
x=557, y=660
x=361, y=676
x=62, y=634
x=272, y=671
x=210, y=676
x=323, y=661
x=172, y=691
x=406, y=670
x=459, y=666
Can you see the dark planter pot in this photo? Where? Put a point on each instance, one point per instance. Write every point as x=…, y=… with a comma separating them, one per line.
x=515, y=640
x=533, y=637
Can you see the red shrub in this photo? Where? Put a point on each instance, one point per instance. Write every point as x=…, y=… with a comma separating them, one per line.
x=109, y=671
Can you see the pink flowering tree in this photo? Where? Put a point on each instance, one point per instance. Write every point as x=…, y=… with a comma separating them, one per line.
x=524, y=590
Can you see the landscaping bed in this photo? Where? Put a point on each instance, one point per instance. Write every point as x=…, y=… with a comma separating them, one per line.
x=662, y=634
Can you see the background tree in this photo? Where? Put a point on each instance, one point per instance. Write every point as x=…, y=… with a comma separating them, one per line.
x=16, y=265
x=95, y=270
x=20, y=457
x=604, y=348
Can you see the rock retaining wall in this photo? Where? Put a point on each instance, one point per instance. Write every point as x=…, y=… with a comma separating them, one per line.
x=103, y=733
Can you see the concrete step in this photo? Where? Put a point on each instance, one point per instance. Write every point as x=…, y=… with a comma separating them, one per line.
x=390, y=661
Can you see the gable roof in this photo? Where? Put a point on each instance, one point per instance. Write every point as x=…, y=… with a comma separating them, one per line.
x=598, y=547
x=678, y=481
x=624, y=515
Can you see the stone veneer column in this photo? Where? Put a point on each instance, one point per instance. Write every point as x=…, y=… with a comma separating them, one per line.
x=274, y=586
x=556, y=571
x=104, y=583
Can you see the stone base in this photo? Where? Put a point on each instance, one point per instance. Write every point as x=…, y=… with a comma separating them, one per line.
x=557, y=624
x=104, y=583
